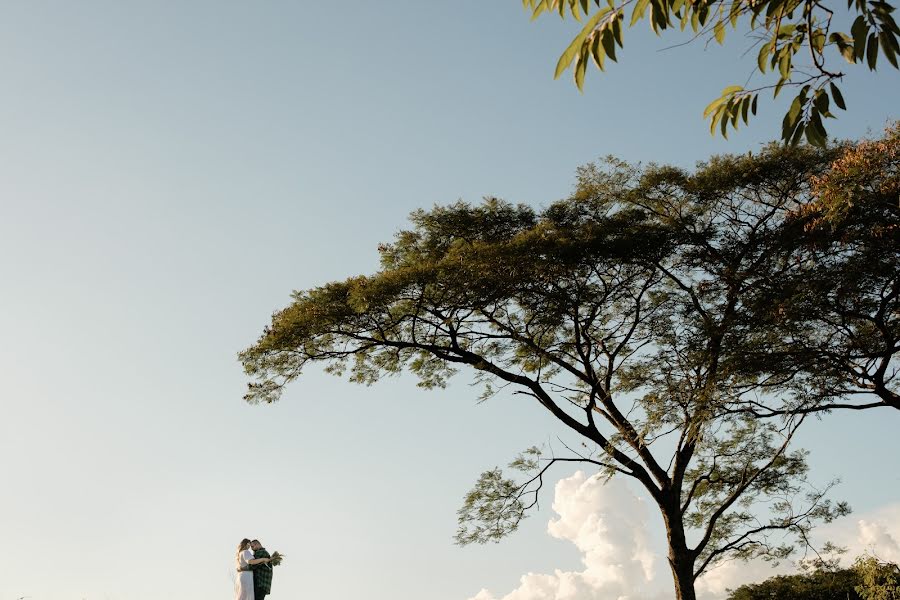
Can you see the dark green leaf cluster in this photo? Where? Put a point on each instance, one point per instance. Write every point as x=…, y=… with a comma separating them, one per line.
x=818, y=585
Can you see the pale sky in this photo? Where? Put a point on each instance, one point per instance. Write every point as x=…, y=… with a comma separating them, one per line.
x=170, y=171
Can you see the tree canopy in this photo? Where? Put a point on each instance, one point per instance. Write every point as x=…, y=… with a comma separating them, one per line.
x=798, y=41
x=879, y=579
x=834, y=308
x=839, y=584
x=869, y=578
x=653, y=314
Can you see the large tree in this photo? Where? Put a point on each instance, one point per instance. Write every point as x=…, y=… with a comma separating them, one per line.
x=798, y=41
x=634, y=312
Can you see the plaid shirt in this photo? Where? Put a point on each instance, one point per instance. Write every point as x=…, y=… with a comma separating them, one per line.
x=262, y=573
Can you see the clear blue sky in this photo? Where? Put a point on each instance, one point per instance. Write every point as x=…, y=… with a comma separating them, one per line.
x=170, y=171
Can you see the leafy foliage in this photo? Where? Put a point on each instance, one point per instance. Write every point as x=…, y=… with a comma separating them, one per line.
x=865, y=178
x=833, y=306
x=879, y=580
x=495, y=506
x=783, y=30
x=868, y=579
x=818, y=585
x=646, y=314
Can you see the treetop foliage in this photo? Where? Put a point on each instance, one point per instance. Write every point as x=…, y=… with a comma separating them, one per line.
x=819, y=585
x=798, y=41
x=869, y=578
x=879, y=579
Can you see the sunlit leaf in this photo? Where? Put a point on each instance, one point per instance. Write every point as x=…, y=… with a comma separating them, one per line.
x=640, y=8
x=763, y=55
x=719, y=32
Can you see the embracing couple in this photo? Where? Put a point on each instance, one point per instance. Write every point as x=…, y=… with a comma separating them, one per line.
x=254, y=571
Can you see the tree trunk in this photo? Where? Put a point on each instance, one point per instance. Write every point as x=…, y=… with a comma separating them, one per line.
x=683, y=574
x=681, y=560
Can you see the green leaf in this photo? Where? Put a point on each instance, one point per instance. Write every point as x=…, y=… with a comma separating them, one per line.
x=840, y=39
x=713, y=105
x=569, y=55
x=735, y=13
x=538, y=10
x=813, y=137
x=849, y=54
x=872, y=51
x=786, y=31
x=719, y=30
x=745, y=109
x=703, y=13
x=639, y=9
x=787, y=128
x=778, y=87
x=763, y=55
x=797, y=135
x=576, y=13
x=617, y=29
x=818, y=41
x=723, y=124
x=888, y=23
x=609, y=44
x=793, y=112
x=819, y=134
x=838, y=97
x=784, y=63
x=859, y=30
x=821, y=102
x=713, y=122
x=753, y=105
x=888, y=43
x=580, y=68
x=597, y=52
x=721, y=116
x=585, y=6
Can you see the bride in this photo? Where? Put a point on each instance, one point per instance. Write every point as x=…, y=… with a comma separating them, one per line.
x=244, y=588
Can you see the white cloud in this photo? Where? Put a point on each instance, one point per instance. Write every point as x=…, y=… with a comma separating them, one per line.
x=875, y=531
x=607, y=522
x=623, y=560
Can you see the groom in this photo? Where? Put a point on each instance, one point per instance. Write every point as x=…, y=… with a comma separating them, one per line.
x=262, y=573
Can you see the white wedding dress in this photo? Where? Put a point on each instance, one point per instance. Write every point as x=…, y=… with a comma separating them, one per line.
x=243, y=589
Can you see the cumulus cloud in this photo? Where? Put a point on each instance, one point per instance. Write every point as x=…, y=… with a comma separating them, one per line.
x=623, y=560
x=608, y=523
x=876, y=531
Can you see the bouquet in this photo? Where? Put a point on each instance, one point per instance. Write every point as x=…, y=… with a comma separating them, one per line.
x=277, y=557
